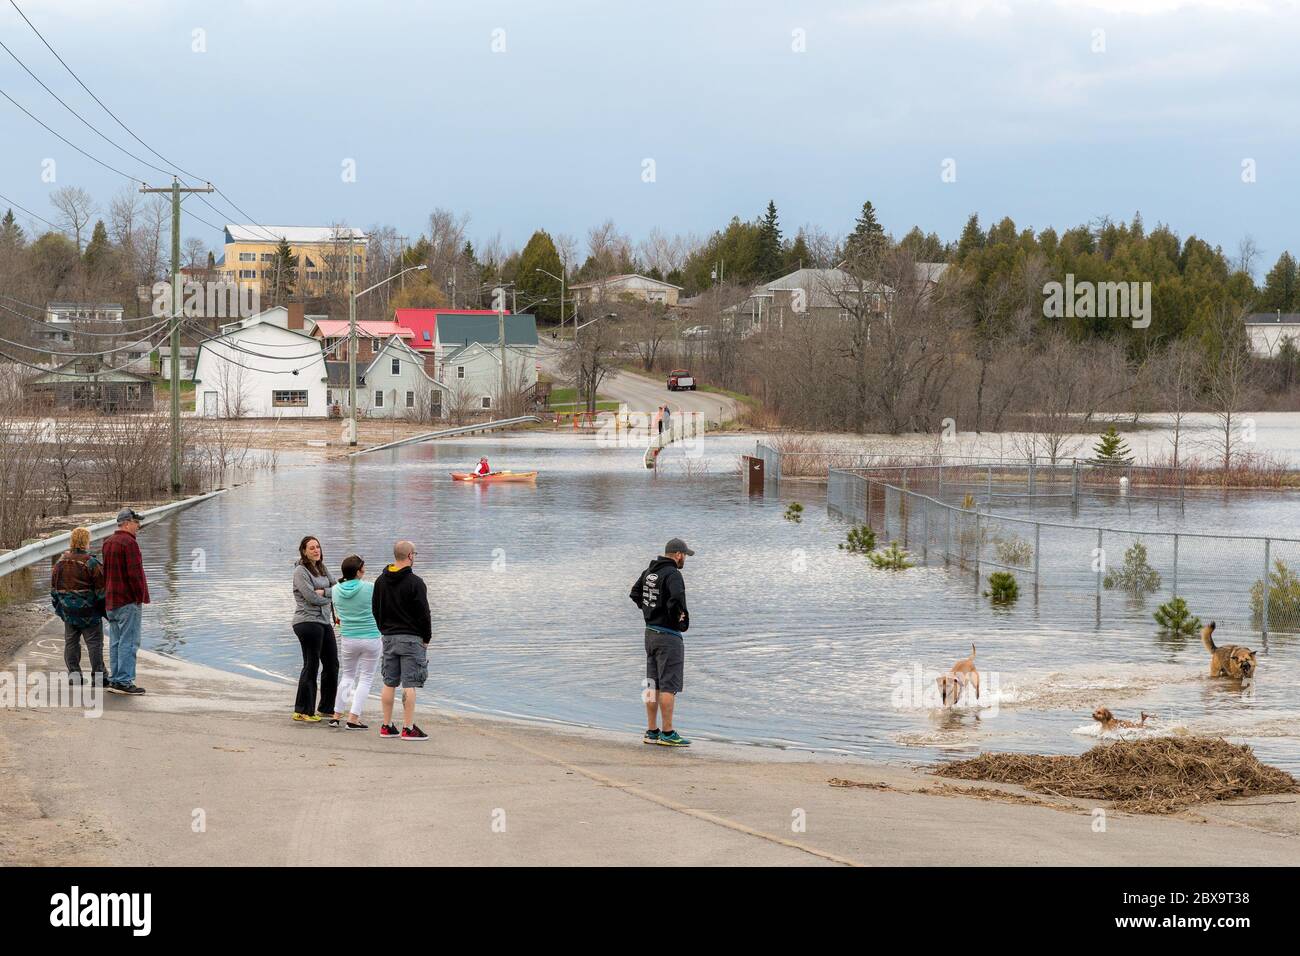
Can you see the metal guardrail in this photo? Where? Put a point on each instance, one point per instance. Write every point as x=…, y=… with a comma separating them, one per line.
x=46, y=548
x=451, y=432
x=771, y=459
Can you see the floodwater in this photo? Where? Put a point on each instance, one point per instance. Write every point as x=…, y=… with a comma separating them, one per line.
x=794, y=643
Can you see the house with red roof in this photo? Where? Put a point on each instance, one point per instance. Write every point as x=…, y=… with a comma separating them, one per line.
x=371, y=336
x=423, y=324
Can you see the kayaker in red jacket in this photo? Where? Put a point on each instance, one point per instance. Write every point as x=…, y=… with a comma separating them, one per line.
x=483, y=468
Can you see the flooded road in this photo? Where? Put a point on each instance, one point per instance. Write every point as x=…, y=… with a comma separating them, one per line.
x=794, y=643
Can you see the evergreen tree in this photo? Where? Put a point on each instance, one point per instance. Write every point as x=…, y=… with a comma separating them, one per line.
x=1281, y=286
x=99, y=250
x=281, y=274
x=867, y=244
x=11, y=234
x=1111, y=449
x=769, y=244
x=531, y=285
x=798, y=256
x=972, y=238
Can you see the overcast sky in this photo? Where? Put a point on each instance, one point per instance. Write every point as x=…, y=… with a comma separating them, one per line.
x=817, y=105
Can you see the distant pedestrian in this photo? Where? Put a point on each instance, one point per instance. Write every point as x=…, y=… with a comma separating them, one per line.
x=126, y=593
x=361, y=644
x=77, y=592
x=313, y=623
x=666, y=423
x=401, y=607
x=660, y=593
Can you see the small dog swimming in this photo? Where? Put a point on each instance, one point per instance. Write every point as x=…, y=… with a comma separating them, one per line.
x=954, y=682
x=1109, y=721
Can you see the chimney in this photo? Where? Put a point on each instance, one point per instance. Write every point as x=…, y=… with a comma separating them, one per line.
x=296, y=313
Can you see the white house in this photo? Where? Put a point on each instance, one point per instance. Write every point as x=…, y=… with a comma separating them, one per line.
x=472, y=375
x=632, y=285
x=1267, y=330
x=259, y=369
x=392, y=384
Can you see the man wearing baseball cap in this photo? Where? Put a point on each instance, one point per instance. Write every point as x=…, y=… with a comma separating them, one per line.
x=660, y=593
x=126, y=592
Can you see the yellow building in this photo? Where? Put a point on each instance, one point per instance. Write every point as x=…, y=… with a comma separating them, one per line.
x=321, y=253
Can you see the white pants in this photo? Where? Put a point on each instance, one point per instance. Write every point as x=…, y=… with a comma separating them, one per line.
x=358, y=663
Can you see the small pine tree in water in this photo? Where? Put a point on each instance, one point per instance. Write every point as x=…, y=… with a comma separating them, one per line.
x=1136, y=576
x=1283, y=598
x=1173, y=616
x=794, y=512
x=892, y=558
x=1110, y=449
x=1003, y=588
x=860, y=540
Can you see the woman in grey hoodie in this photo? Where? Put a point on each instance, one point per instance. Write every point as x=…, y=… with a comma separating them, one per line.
x=313, y=622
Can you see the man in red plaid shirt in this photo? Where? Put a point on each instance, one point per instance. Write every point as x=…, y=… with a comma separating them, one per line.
x=126, y=593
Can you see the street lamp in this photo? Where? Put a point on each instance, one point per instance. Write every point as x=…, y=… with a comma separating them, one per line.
x=560, y=280
x=352, y=340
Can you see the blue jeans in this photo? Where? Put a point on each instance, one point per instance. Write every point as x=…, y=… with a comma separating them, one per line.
x=123, y=642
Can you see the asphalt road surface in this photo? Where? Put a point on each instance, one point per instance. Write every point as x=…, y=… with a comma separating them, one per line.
x=644, y=394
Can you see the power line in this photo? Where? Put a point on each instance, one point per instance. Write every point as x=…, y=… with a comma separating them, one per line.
x=112, y=169
x=85, y=121
x=10, y=202
x=175, y=167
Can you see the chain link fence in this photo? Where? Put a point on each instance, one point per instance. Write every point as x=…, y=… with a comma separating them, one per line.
x=1114, y=575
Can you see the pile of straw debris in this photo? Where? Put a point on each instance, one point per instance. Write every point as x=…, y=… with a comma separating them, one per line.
x=1155, y=775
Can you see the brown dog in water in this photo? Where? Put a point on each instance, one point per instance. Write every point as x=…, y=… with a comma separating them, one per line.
x=1231, y=660
x=1108, y=721
x=954, y=682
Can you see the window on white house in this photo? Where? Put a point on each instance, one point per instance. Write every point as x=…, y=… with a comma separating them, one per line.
x=289, y=398
x=397, y=366
x=487, y=401
x=410, y=399
x=379, y=398
x=248, y=257
x=460, y=371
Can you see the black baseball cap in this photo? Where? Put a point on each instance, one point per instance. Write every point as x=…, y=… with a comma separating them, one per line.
x=677, y=544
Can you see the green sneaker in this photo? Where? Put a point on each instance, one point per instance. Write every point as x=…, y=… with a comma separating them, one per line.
x=672, y=739
x=651, y=736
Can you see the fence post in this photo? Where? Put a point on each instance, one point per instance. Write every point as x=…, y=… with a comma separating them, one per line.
x=1100, y=565
x=1037, y=529
x=940, y=495
x=1074, y=487
x=990, y=491
x=1175, y=565
x=867, y=516
x=925, y=543
x=1264, y=612
x=1031, y=478
x=979, y=542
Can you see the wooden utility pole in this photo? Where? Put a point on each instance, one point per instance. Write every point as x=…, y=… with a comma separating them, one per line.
x=175, y=327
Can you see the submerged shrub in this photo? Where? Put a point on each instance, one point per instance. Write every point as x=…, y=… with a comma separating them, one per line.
x=1135, y=576
x=860, y=540
x=892, y=558
x=1003, y=588
x=1174, y=617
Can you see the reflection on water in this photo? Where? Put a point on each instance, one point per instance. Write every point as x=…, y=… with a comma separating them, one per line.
x=793, y=642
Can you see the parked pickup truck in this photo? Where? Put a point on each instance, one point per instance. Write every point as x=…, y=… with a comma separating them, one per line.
x=679, y=379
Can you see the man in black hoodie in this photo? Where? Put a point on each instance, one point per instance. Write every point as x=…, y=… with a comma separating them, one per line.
x=401, y=608
x=660, y=593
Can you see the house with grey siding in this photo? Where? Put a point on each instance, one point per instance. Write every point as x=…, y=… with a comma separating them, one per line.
x=392, y=384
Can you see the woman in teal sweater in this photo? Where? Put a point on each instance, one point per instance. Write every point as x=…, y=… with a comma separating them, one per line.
x=361, y=644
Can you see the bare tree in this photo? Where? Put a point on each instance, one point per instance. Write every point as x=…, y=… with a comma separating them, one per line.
x=1179, y=374
x=76, y=210
x=195, y=253
x=1228, y=381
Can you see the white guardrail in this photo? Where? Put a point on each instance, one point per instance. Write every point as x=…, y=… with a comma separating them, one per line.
x=46, y=548
x=450, y=432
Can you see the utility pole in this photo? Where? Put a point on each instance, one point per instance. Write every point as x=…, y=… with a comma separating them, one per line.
x=352, y=345
x=175, y=326
x=499, y=295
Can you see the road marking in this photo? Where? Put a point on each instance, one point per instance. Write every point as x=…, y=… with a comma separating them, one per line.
x=635, y=791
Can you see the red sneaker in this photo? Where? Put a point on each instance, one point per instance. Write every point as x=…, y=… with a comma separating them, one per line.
x=389, y=730
x=413, y=733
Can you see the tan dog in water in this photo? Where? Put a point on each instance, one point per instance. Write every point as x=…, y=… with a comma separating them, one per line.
x=1231, y=660
x=954, y=682
x=1108, y=721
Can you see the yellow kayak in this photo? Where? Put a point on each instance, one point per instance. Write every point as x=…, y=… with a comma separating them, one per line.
x=495, y=476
